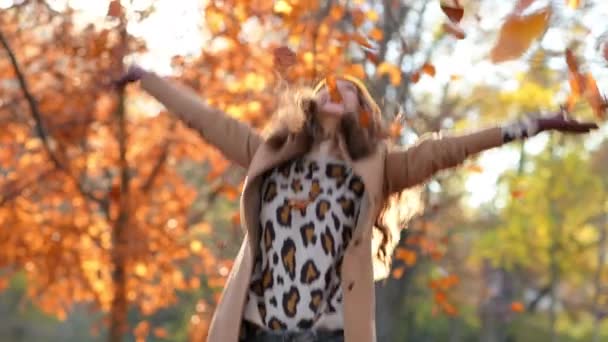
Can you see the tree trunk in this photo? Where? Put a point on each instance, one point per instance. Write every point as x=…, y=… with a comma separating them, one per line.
x=495, y=311
x=119, y=308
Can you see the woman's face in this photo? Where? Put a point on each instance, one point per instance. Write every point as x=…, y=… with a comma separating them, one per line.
x=349, y=104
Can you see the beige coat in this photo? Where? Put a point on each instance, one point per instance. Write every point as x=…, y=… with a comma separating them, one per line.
x=385, y=171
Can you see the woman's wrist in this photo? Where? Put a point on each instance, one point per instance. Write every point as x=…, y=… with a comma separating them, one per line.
x=521, y=129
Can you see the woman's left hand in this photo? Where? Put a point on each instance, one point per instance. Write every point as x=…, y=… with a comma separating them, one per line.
x=561, y=122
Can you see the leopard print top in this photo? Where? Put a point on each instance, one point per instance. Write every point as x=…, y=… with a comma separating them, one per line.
x=309, y=208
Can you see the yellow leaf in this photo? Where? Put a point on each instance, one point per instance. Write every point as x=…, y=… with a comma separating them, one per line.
x=517, y=34
x=283, y=7
x=392, y=70
x=574, y=4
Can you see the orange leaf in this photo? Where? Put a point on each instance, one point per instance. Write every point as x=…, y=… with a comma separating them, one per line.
x=517, y=34
x=454, y=13
x=161, y=332
x=392, y=70
x=236, y=218
x=517, y=307
x=332, y=87
x=398, y=272
x=440, y=297
x=337, y=12
x=395, y=130
x=453, y=29
x=361, y=40
x=415, y=76
x=376, y=34
x=455, y=77
x=364, y=118
x=428, y=69
x=408, y=256
x=356, y=70
x=372, y=57
x=115, y=9
x=449, y=309
x=593, y=96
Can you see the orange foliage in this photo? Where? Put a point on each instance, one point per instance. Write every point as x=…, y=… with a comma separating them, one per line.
x=517, y=34
x=517, y=307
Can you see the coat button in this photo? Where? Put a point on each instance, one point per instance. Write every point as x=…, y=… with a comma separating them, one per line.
x=350, y=286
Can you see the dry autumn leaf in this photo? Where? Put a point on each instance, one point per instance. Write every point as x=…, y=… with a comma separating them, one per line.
x=361, y=40
x=453, y=29
x=428, y=69
x=376, y=34
x=453, y=10
x=517, y=34
x=115, y=9
x=415, y=76
x=474, y=168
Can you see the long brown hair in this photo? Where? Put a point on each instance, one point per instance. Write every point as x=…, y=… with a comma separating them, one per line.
x=297, y=115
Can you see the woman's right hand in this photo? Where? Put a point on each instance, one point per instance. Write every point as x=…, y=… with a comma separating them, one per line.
x=133, y=74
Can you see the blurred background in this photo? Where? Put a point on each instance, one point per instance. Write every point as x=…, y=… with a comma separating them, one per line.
x=117, y=222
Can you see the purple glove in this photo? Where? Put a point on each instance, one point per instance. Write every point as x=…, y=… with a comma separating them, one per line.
x=133, y=74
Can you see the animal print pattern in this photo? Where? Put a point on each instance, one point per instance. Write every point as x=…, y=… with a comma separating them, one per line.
x=309, y=208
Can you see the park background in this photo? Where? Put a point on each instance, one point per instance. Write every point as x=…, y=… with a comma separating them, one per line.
x=117, y=222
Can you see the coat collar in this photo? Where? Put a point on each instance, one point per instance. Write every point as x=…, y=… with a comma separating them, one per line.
x=368, y=168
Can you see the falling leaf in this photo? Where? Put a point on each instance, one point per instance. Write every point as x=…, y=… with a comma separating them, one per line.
x=236, y=218
x=162, y=332
x=355, y=70
x=517, y=34
x=337, y=12
x=332, y=88
x=428, y=69
x=454, y=12
x=372, y=57
x=392, y=70
x=376, y=34
x=574, y=4
x=372, y=16
x=398, y=272
x=361, y=40
x=453, y=29
x=593, y=97
x=415, y=76
x=364, y=118
x=406, y=255
x=115, y=9
x=395, y=130
x=455, y=77
x=517, y=307
x=440, y=297
x=449, y=309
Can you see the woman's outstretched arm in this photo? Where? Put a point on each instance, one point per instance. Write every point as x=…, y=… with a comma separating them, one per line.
x=235, y=139
x=411, y=166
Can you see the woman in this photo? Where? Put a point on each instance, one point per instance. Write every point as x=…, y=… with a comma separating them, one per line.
x=314, y=189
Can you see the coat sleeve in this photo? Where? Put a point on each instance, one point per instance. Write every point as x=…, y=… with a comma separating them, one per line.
x=411, y=166
x=235, y=139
